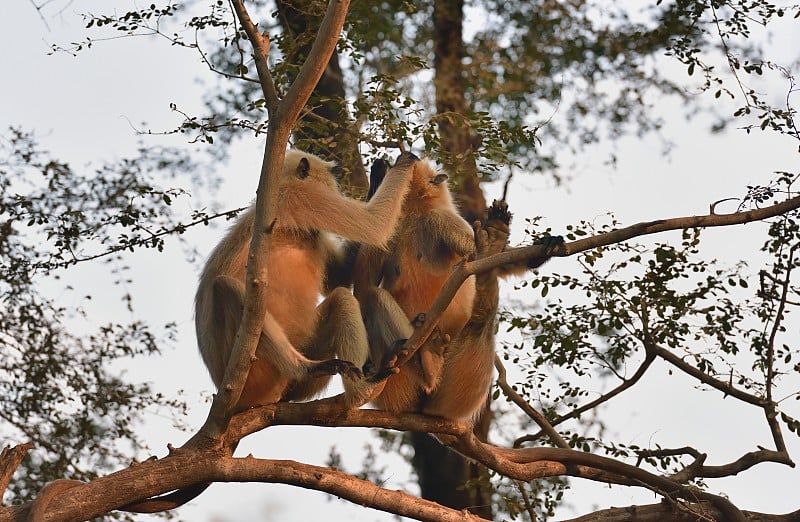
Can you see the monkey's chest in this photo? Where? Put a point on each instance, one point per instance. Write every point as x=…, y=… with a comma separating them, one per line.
x=295, y=283
x=415, y=287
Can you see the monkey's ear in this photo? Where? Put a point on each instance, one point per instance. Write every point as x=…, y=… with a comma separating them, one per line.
x=405, y=157
x=303, y=168
x=438, y=179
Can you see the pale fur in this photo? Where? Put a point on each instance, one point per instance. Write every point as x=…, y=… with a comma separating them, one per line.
x=309, y=207
x=395, y=286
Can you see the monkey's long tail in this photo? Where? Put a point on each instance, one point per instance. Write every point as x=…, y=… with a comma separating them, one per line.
x=167, y=502
x=171, y=500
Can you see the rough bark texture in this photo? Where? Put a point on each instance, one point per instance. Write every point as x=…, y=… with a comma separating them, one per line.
x=328, y=115
x=457, y=140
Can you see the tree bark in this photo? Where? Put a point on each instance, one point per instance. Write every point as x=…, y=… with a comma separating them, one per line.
x=327, y=129
x=457, y=140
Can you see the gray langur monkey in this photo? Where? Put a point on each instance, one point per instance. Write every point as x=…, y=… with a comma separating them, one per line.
x=294, y=357
x=394, y=286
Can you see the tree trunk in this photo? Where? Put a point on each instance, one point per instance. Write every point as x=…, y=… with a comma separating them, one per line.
x=455, y=134
x=327, y=130
x=444, y=475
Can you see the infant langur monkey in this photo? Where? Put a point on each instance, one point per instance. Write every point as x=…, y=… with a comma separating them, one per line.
x=300, y=338
x=394, y=287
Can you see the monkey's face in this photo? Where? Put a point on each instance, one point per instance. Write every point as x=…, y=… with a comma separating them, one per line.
x=428, y=189
x=311, y=168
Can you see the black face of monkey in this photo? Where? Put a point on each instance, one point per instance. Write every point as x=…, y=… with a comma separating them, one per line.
x=376, y=174
x=303, y=168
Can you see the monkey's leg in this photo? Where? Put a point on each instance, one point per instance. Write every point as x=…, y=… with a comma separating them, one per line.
x=278, y=362
x=388, y=327
x=339, y=332
x=469, y=360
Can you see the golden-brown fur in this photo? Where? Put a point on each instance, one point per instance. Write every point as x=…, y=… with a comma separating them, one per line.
x=297, y=332
x=394, y=286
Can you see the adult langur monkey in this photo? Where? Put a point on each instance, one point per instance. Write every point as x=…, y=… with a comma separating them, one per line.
x=295, y=353
x=395, y=285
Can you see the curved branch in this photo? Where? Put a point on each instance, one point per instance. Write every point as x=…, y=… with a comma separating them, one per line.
x=516, y=256
x=514, y=397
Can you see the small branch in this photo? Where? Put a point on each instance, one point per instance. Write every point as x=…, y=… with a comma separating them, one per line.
x=260, y=44
x=529, y=410
x=626, y=384
x=10, y=459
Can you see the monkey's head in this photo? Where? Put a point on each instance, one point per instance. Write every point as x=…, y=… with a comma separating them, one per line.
x=428, y=189
x=305, y=166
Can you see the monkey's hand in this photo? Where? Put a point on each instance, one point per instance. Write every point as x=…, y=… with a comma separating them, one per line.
x=461, y=241
x=388, y=364
x=334, y=367
x=552, y=244
x=431, y=355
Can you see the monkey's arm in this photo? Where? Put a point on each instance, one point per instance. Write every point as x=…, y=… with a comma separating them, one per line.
x=314, y=206
x=442, y=238
x=462, y=385
x=368, y=268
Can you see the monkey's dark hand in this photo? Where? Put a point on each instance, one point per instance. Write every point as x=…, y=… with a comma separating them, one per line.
x=406, y=158
x=376, y=175
x=334, y=367
x=551, y=244
x=388, y=362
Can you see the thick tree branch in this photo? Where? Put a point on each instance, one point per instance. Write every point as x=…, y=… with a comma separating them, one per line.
x=10, y=459
x=675, y=512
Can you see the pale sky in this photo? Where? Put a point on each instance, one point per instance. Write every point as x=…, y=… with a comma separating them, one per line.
x=83, y=108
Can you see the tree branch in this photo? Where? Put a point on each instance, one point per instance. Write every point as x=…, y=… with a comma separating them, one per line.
x=10, y=459
x=282, y=118
x=260, y=44
x=517, y=256
x=529, y=410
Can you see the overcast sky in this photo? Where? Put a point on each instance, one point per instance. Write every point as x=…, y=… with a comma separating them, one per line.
x=85, y=108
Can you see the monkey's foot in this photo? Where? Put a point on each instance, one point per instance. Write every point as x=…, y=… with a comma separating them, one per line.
x=552, y=245
x=334, y=367
x=388, y=365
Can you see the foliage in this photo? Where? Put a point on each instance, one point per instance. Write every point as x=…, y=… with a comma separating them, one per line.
x=569, y=74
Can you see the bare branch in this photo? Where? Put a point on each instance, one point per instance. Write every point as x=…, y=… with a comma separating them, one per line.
x=516, y=256
x=10, y=459
x=514, y=397
x=282, y=118
x=260, y=44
